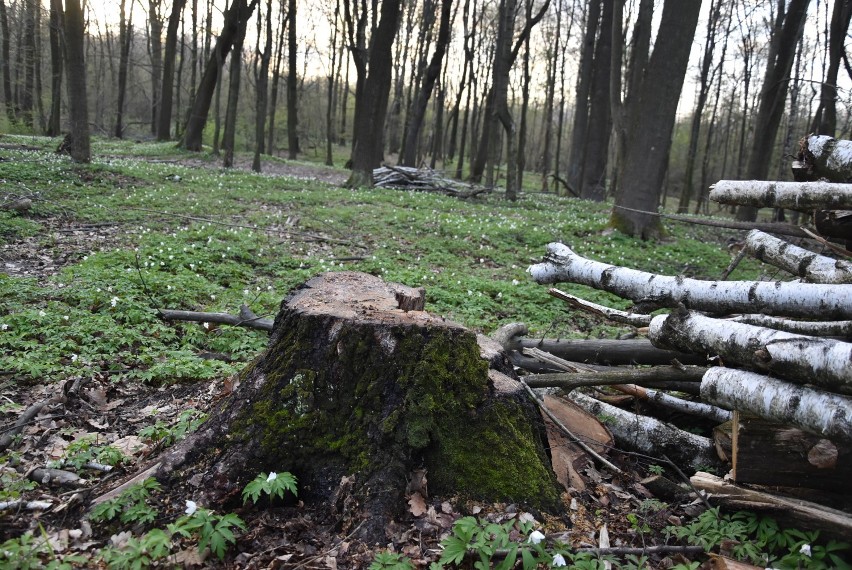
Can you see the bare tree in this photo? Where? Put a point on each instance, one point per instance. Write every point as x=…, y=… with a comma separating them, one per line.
x=155, y=51
x=825, y=120
x=55, y=23
x=4, y=63
x=164, y=117
x=234, y=77
x=261, y=84
x=292, y=84
x=79, y=144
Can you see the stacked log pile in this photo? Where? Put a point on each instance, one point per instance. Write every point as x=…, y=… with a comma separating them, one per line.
x=778, y=352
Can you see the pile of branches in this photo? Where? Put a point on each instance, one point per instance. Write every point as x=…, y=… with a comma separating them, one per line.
x=423, y=179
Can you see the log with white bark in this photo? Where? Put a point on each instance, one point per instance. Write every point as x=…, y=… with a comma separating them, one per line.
x=674, y=403
x=810, y=328
x=802, y=359
x=651, y=436
x=797, y=513
x=811, y=300
x=826, y=157
x=821, y=413
x=801, y=196
x=635, y=319
x=806, y=264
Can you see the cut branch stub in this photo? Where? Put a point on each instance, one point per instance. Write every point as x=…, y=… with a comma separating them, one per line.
x=357, y=380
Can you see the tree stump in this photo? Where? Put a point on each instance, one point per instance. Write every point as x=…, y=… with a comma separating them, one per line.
x=358, y=380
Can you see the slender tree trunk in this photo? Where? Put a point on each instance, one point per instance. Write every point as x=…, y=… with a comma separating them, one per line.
x=594, y=157
x=574, y=176
x=825, y=121
x=433, y=70
x=772, y=98
x=332, y=74
x=234, y=80
x=276, y=80
x=262, y=88
x=155, y=48
x=292, y=84
x=164, y=116
x=28, y=20
x=75, y=66
x=372, y=103
x=4, y=63
x=235, y=16
x=54, y=126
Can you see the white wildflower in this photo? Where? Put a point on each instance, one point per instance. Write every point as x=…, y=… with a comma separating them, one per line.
x=271, y=477
x=42, y=314
x=191, y=507
x=558, y=560
x=4, y=327
x=806, y=550
x=536, y=537
x=113, y=301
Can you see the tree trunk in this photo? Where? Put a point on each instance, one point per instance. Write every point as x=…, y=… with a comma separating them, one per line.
x=651, y=119
x=292, y=84
x=827, y=157
x=581, y=100
x=814, y=411
x=372, y=103
x=276, y=79
x=4, y=63
x=433, y=70
x=75, y=68
x=800, y=196
x=798, y=261
x=592, y=185
x=54, y=126
x=262, y=88
x=772, y=98
x=234, y=80
x=155, y=50
x=652, y=291
x=825, y=121
x=167, y=87
x=235, y=17
x=359, y=383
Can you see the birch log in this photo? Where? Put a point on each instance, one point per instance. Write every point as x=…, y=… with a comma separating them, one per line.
x=700, y=409
x=801, y=196
x=827, y=157
x=814, y=411
x=801, y=359
x=811, y=300
x=806, y=264
x=810, y=328
x=651, y=436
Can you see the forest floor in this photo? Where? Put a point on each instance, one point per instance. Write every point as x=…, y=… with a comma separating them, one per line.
x=108, y=383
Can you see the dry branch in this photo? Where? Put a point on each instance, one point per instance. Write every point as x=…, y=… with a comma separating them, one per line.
x=657, y=376
x=798, y=358
x=802, y=514
x=651, y=436
x=821, y=413
x=248, y=320
x=635, y=319
x=699, y=409
x=810, y=266
x=721, y=297
x=801, y=196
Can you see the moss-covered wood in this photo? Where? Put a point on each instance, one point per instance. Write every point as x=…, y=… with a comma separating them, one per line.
x=358, y=380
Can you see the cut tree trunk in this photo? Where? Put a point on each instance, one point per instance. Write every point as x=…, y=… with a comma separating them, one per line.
x=359, y=381
x=651, y=436
x=827, y=157
x=651, y=291
x=806, y=264
x=767, y=453
x=821, y=413
x=797, y=358
x=810, y=328
x=799, y=196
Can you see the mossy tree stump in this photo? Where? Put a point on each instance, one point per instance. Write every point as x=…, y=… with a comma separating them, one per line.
x=359, y=380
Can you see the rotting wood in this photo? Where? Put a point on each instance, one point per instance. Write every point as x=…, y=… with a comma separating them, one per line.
x=651, y=436
x=809, y=300
x=809, y=328
x=634, y=319
x=23, y=420
x=797, y=358
x=801, y=514
x=773, y=454
x=424, y=180
x=822, y=413
x=798, y=261
x=800, y=196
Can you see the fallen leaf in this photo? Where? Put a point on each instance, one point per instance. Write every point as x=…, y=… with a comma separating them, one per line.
x=130, y=445
x=417, y=505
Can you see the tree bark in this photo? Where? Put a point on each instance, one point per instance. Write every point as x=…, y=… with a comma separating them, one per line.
x=798, y=358
x=658, y=376
x=798, y=261
x=596, y=141
x=800, y=196
x=772, y=97
x=825, y=121
x=807, y=300
x=359, y=382
x=651, y=117
x=262, y=84
x=372, y=103
x=235, y=16
x=574, y=175
x=234, y=80
x=54, y=126
x=75, y=68
x=651, y=436
x=167, y=87
x=814, y=411
x=4, y=63
x=155, y=50
x=810, y=328
x=292, y=83
x=433, y=70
